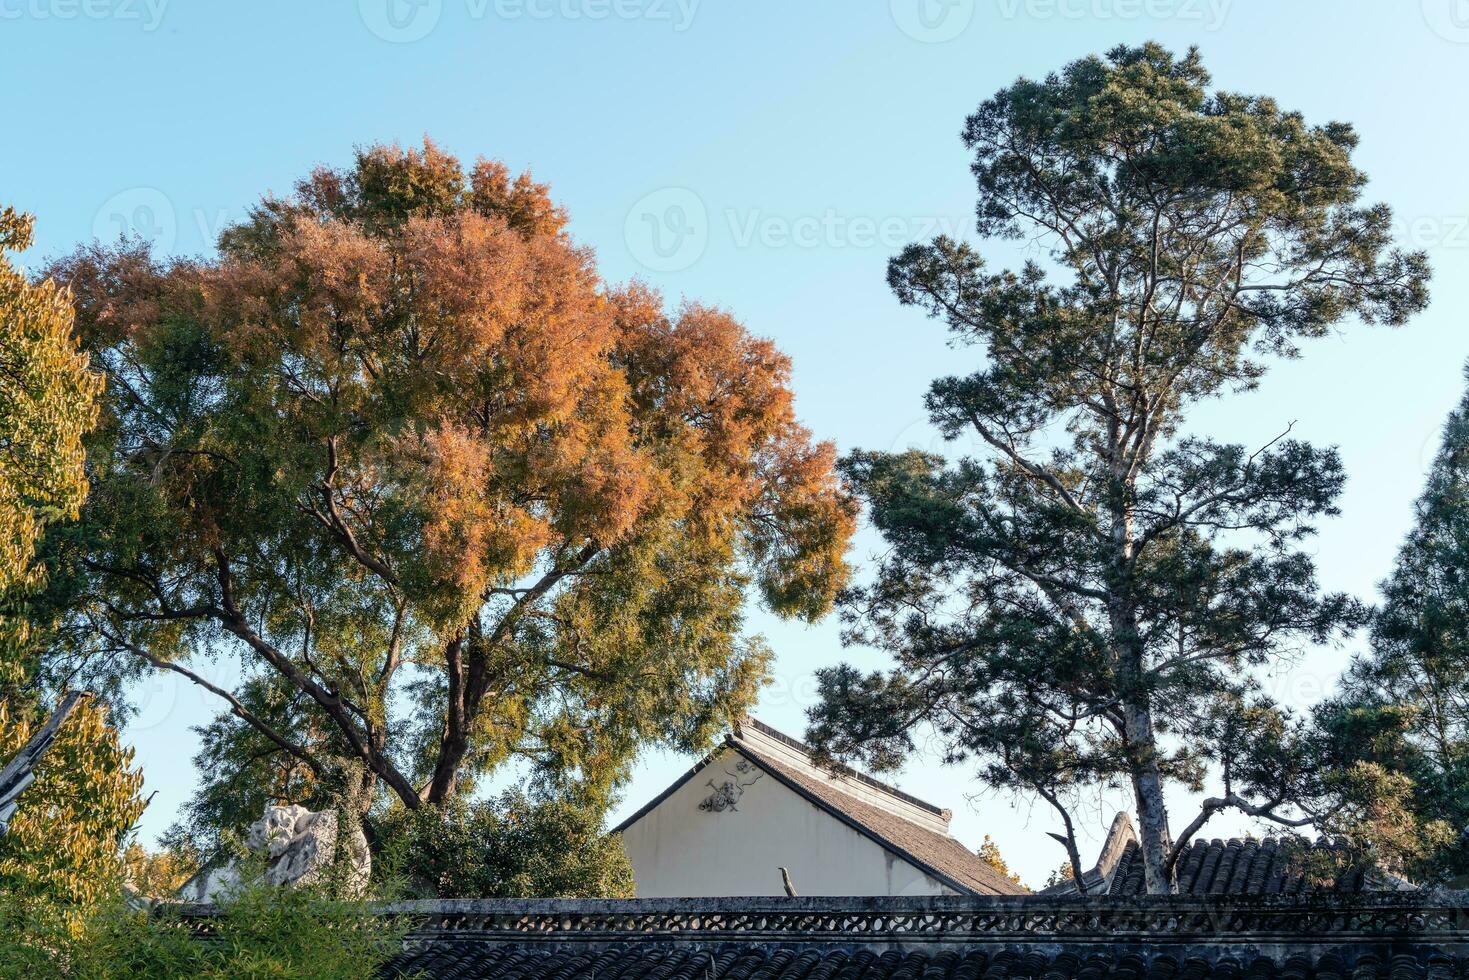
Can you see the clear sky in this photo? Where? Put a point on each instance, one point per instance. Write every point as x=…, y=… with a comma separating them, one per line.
x=768, y=156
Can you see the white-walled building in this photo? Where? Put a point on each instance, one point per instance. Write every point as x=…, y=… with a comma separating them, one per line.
x=759, y=803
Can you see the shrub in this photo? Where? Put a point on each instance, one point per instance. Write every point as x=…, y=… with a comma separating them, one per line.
x=259, y=933
x=509, y=847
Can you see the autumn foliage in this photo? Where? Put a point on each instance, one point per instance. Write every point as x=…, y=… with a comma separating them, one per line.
x=455, y=499
x=64, y=845
x=47, y=402
x=62, y=848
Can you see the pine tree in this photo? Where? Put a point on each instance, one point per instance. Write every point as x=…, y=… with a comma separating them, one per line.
x=1083, y=605
x=1404, y=707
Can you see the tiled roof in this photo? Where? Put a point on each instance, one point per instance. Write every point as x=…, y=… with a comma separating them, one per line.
x=468, y=961
x=1236, y=867
x=1251, y=867
x=937, y=853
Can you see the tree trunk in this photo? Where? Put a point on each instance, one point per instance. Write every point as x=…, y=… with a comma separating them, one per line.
x=445, y=782
x=454, y=743
x=1152, y=810
x=1137, y=715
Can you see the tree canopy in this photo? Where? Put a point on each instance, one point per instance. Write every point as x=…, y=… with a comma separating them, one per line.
x=1083, y=604
x=63, y=846
x=47, y=403
x=1404, y=707
x=450, y=498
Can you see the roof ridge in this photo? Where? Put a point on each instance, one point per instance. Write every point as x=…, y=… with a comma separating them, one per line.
x=839, y=768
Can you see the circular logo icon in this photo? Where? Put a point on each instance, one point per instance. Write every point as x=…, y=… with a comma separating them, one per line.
x=141, y=212
x=154, y=697
x=933, y=21
x=401, y=21
x=668, y=230
x=1449, y=19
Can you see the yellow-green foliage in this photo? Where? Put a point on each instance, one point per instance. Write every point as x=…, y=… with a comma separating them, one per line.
x=263, y=933
x=64, y=845
x=62, y=850
x=159, y=874
x=990, y=851
x=48, y=401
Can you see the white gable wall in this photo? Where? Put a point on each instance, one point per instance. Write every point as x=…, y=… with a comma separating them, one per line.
x=678, y=850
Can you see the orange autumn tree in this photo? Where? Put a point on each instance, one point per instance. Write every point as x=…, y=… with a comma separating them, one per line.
x=452, y=499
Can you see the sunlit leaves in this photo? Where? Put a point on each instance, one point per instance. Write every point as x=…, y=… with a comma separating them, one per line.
x=457, y=499
x=64, y=845
x=47, y=403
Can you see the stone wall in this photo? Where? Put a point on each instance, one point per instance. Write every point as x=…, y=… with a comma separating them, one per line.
x=1275, y=927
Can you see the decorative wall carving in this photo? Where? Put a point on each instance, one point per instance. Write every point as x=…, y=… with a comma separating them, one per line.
x=726, y=795
x=1422, y=935
x=1009, y=921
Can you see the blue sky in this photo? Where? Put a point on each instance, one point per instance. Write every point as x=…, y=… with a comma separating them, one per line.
x=768, y=156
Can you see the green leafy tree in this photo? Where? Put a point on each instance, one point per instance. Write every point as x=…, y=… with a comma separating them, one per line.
x=509, y=847
x=48, y=401
x=63, y=846
x=450, y=498
x=1075, y=606
x=1404, y=707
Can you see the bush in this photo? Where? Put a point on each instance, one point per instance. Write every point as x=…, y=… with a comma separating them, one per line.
x=509, y=847
x=260, y=933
